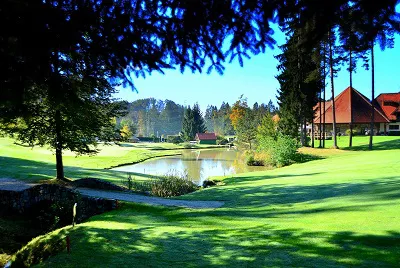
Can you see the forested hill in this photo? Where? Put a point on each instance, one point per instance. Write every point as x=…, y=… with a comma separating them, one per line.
x=151, y=116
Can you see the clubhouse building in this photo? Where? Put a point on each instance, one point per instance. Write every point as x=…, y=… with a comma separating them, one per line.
x=353, y=107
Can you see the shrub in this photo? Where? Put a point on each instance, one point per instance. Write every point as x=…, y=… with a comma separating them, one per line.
x=51, y=215
x=252, y=161
x=394, y=133
x=221, y=140
x=128, y=182
x=175, y=139
x=355, y=132
x=282, y=150
x=172, y=184
x=188, y=145
x=263, y=157
x=137, y=186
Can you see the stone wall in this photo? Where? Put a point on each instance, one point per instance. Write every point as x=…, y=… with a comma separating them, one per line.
x=96, y=184
x=18, y=202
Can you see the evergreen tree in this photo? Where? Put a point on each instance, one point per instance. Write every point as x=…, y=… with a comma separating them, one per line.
x=246, y=127
x=377, y=21
x=299, y=85
x=199, y=125
x=353, y=50
x=208, y=118
x=188, y=125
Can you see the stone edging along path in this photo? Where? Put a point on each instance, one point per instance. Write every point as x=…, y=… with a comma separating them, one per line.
x=17, y=185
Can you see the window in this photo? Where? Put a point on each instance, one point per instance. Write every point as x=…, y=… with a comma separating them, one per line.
x=394, y=127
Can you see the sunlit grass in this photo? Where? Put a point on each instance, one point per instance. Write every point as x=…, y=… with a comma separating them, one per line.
x=342, y=210
x=35, y=164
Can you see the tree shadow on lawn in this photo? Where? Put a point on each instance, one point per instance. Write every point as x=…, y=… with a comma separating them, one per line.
x=380, y=146
x=261, y=201
x=30, y=170
x=303, y=158
x=238, y=179
x=262, y=246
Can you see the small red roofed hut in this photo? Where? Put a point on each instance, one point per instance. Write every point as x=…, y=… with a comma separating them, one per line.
x=206, y=138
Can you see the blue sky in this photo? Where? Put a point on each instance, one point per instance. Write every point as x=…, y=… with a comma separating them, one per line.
x=256, y=80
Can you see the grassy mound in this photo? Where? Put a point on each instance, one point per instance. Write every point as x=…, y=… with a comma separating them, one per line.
x=41, y=248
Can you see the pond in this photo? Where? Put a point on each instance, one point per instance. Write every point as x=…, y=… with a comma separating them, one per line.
x=200, y=164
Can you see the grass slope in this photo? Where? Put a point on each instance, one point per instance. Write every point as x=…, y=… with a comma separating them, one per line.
x=35, y=164
x=339, y=211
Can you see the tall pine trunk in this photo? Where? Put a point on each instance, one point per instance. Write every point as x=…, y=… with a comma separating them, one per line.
x=371, y=134
x=312, y=134
x=320, y=108
x=333, y=92
x=324, y=98
x=351, y=106
x=59, y=145
x=320, y=120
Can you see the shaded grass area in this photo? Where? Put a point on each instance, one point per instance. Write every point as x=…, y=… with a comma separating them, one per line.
x=339, y=211
x=360, y=143
x=35, y=164
x=15, y=232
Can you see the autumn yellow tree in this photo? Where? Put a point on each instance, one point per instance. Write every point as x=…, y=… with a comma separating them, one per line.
x=238, y=111
x=126, y=133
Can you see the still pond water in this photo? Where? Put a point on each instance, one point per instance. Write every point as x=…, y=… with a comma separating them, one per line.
x=200, y=164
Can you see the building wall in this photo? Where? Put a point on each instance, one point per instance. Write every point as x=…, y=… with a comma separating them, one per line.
x=341, y=128
x=391, y=128
x=213, y=142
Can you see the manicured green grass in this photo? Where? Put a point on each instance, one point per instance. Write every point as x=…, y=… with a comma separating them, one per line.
x=35, y=164
x=339, y=211
x=360, y=143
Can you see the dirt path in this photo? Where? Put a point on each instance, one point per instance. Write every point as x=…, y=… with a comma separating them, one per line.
x=9, y=184
x=128, y=197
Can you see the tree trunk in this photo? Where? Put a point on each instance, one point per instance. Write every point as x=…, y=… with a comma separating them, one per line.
x=302, y=134
x=371, y=134
x=59, y=161
x=333, y=93
x=312, y=134
x=320, y=120
x=351, y=106
x=324, y=98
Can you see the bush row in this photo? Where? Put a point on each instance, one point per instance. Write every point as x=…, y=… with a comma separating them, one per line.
x=171, y=184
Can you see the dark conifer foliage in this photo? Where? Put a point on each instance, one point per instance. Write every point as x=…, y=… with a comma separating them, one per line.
x=300, y=82
x=61, y=59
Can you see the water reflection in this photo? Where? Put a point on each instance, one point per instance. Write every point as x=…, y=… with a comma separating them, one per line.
x=200, y=164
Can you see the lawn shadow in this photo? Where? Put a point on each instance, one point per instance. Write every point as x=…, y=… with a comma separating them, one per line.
x=261, y=201
x=263, y=246
x=380, y=146
x=303, y=158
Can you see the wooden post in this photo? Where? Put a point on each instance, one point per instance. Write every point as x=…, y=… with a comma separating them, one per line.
x=68, y=240
x=74, y=214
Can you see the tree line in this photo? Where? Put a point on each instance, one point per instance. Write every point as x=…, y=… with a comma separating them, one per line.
x=314, y=53
x=151, y=117
x=57, y=90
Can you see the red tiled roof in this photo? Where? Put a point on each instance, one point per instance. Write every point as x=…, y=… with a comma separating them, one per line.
x=348, y=102
x=390, y=104
x=206, y=136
